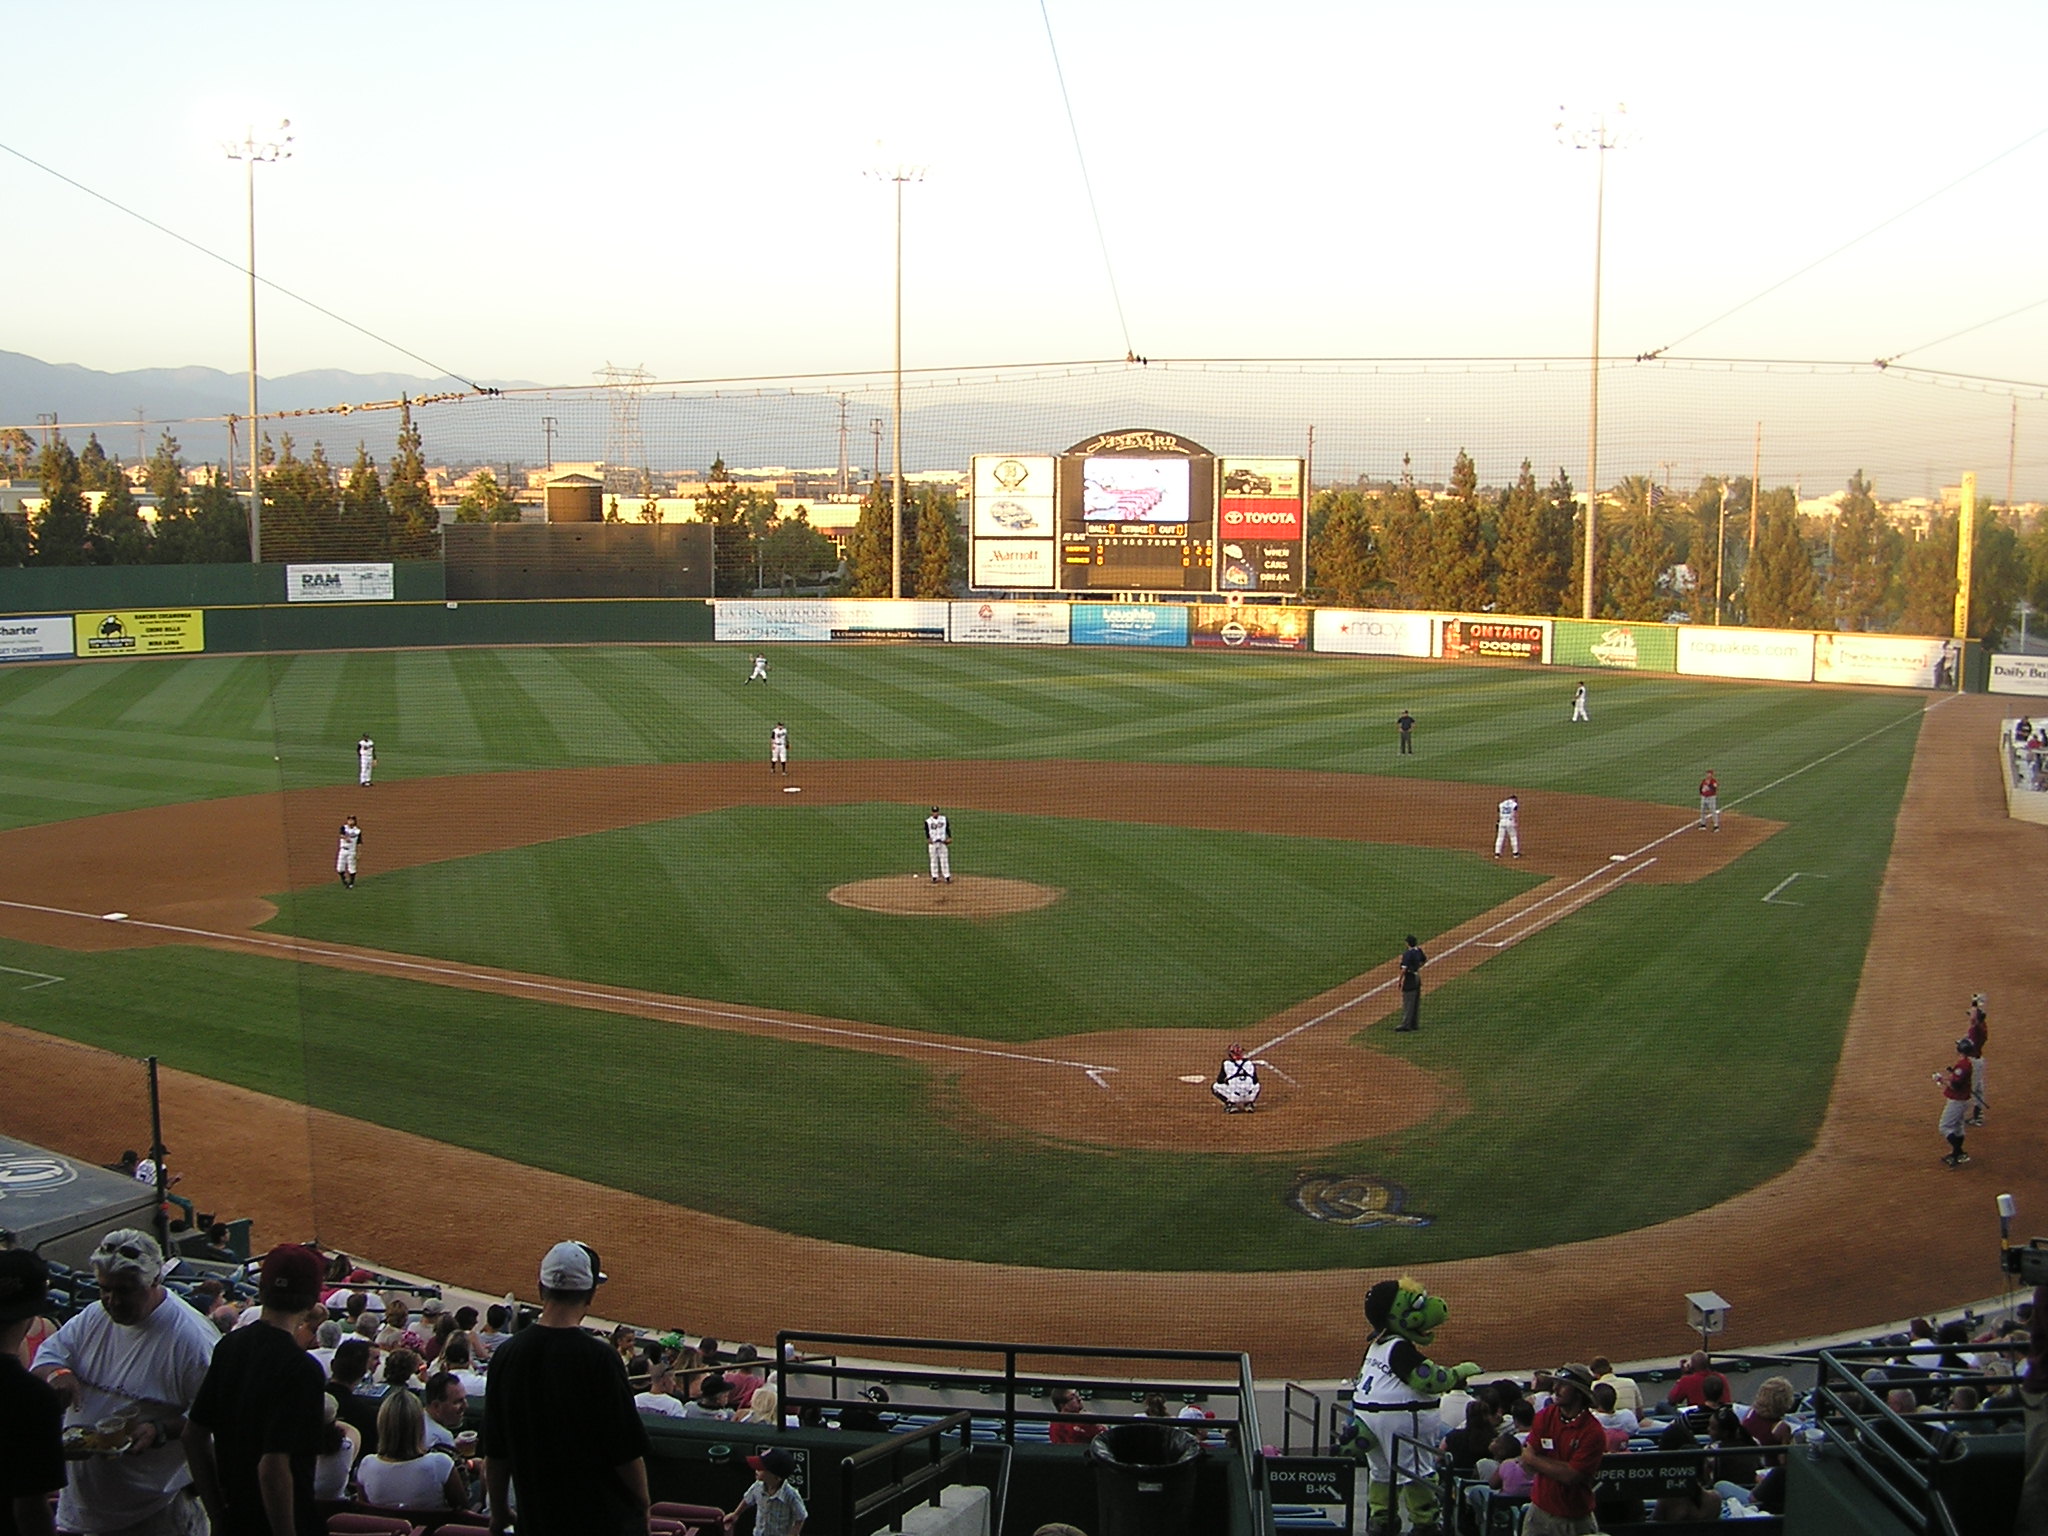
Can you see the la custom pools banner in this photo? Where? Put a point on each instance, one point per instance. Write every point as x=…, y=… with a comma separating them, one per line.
x=151, y=632
x=1362, y=632
x=1889, y=661
x=1010, y=623
x=1130, y=624
x=1612, y=643
x=828, y=618
x=2019, y=674
x=1766, y=655
x=1466, y=639
x=362, y=583
x=1250, y=627
x=36, y=639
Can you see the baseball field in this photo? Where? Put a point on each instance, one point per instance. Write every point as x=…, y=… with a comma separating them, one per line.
x=602, y=973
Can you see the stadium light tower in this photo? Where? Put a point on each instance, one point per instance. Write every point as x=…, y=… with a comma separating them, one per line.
x=1598, y=134
x=251, y=152
x=899, y=174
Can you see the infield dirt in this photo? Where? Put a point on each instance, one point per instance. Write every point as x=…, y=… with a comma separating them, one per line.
x=1863, y=1228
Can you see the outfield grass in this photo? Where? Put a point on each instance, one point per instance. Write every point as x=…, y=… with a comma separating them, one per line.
x=1686, y=1035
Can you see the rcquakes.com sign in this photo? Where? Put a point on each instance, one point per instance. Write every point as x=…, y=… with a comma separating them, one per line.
x=1262, y=519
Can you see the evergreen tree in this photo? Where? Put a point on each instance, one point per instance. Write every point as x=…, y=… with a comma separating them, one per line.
x=1343, y=561
x=60, y=530
x=1783, y=590
x=220, y=524
x=1457, y=577
x=14, y=540
x=725, y=506
x=118, y=536
x=486, y=501
x=792, y=551
x=365, y=512
x=2035, y=552
x=1528, y=576
x=1702, y=551
x=1404, y=543
x=1559, y=525
x=301, y=505
x=1635, y=555
x=940, y=545
x=17, y=453
x=869, y=550
x=95, y=469
x=1865, y=555
x=415, y=525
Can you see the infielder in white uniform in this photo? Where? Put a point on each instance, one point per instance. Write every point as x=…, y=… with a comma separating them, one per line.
x=760, y=672
x=366, y=759
x=1579, y=705
x=938, y=838
x=1237, y=1082
x=345, y=855
x=1509, y=828
x=778, y=749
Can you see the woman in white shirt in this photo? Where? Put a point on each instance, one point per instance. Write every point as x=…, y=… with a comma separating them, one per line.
x=404, y=1474
x=340, y=1444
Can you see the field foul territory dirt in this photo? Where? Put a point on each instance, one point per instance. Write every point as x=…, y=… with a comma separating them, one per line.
x=1864, y=1227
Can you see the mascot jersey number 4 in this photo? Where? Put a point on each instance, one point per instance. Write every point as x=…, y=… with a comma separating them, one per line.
x=1398, y=1385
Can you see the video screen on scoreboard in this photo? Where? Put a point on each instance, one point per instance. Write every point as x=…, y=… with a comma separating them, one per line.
x=1131, y=490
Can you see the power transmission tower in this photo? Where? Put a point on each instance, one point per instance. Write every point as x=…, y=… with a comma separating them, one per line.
x=625, y=453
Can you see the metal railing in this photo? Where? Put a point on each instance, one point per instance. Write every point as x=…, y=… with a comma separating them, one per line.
x=920, y=1468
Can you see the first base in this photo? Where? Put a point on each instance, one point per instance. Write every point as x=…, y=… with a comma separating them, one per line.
x=1617, y=858
x=793, y=789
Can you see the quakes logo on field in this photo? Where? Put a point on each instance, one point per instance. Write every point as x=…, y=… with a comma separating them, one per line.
x=1353, y=1200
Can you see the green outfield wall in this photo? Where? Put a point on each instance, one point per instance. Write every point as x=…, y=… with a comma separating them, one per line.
x=64, y=588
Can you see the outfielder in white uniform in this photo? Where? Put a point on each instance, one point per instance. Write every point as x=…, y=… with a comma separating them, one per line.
x=366, y=759
x=345, y=854
x=938, y=838
x=760, y=672
x=1509, y=828
x=778, y=749
x=1237, y=1082
x=1579, y=705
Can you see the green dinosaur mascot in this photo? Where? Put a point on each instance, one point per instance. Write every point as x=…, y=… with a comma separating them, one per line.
x=1399, y=1386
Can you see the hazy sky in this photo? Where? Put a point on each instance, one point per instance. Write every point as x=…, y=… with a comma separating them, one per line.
x=530, y=191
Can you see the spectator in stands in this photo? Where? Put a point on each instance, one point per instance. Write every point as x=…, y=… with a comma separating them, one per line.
x=458, y=1361
x=766, y=1408
x=31, y=1417
x=1765, y=1420
x=660, y=1397
x=1074, y=1430
x=778, y=1508
x=708, y=1349
x=1470, y=1441
x=688, y=1362
x=1628, y=1392
x=496, y=1330
x=141, y=1353
x=401, y=1369
x=341, y=1446
x=2032, y=1517
x=713, y=1400
x=398, y=1318
x=1697, y=1502
x=1155, y=1406
x=1689, y=1391
x=446, y=1403
x=256, y=1426
x=866, y=1415
x=745, y=1377
x=1618, y=1422
x=1509, y=1479
x=1713, y=1395
x=1521, y=1419
x=326, y=1340
x=562, y=1429
x=1563, y=1455
x=347, y=1374
x=404, y=1474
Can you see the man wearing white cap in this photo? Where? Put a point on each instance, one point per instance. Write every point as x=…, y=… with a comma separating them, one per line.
x=134, y=1358
x=563, y=1440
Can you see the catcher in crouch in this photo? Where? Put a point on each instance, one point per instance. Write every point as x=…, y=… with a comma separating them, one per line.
x=1237, y=1082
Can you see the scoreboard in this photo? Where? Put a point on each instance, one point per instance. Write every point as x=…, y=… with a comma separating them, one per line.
x=1139, y=510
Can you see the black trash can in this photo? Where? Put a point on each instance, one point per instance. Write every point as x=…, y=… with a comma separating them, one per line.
x=1144, y=1479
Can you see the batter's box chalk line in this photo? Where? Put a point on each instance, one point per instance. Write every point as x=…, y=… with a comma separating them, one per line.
x=46, y=977
x=1777, y=900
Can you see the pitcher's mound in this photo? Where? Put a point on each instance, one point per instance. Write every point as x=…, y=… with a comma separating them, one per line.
x=964, y=896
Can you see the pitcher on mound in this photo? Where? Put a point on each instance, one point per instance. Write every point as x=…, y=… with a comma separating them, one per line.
x=938, y=839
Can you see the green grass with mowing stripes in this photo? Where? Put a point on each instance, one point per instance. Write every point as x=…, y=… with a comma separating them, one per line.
x=1161, y=927
x=1684, y=1036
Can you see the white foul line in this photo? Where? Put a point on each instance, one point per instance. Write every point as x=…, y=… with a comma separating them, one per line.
x=1797, y=874
x=15, y=970
x=370, y=960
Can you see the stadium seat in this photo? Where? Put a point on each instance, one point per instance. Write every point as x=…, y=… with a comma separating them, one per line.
x=691, y=1519
x=348, y=1523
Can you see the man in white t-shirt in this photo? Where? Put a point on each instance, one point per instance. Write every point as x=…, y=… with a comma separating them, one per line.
x=660, y=1396
x=140, y=1353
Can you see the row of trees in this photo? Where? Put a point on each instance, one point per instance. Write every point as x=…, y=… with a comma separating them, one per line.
x=208, y=524
x=1520, y=550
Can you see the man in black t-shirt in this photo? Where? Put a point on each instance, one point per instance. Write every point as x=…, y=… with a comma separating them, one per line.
x=31, y=1414
x=562, y=1439
x=1412, y=962
x=254, y=1430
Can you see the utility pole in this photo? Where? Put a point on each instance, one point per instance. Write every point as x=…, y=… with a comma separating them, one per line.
x=46, y=421
x=875, y=426
x=142, y=423
x=1756, y=488
x=2012, y=448
x=845, y=464
x=898, y=175
x=1594, y=136
x=251, y=153
x=547, y=427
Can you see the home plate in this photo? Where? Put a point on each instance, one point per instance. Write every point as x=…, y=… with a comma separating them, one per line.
x=1617, y=858
x=1194, y=1077
x=114, y=917
x=793, y=789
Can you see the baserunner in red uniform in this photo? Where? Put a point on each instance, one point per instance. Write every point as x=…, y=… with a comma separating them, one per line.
x=1710, y=800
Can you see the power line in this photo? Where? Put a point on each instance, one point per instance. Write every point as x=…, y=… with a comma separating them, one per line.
x=1886, y=362
x=1087, y=184
x=233, y=265
x=1838, y=250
